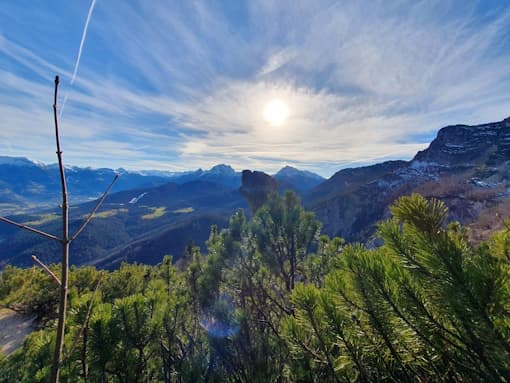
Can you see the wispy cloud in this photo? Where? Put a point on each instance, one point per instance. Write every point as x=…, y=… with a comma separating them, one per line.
x=180, y=85
x=277, y=60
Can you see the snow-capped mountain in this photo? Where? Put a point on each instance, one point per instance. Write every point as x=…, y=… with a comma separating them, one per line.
x=26, y=184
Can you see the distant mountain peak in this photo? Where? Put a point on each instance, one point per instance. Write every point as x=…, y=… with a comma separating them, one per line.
x=222, y=169
x=287, y=169
x=121, y=171
x=17, y=161
x=290, y=171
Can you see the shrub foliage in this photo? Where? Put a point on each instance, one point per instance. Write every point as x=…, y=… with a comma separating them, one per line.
x=273, y=301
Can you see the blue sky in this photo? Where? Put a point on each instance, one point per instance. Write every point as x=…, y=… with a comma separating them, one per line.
x=178, y=85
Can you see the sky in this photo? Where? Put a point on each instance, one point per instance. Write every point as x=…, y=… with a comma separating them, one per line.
x=178, y=85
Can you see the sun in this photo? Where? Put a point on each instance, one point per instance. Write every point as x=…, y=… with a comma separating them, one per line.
x=276, y=112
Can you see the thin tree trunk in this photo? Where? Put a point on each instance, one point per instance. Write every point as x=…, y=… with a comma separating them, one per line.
x=57, y=356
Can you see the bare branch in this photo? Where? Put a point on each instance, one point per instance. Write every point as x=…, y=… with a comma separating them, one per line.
x=55, y=119
x=85, y=322
x=47, y=269
x=20, y=225
x=62, y=308
x=98, y=205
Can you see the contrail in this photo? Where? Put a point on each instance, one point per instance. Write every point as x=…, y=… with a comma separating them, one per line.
x=82, y=42
x=83, y=36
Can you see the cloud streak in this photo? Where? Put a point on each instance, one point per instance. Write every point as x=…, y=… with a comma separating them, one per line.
x=80, y=49
x=184, y=85
x=82, y=41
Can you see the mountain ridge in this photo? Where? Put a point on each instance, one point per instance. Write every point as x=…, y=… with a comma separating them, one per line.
x=468, y=167
x=26, y=184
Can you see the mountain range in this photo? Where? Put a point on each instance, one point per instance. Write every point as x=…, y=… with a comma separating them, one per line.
x=147, y=215
x=156, y=213
x=27, y=185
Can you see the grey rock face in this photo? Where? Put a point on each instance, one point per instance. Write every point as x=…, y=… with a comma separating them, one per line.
x=256, y=187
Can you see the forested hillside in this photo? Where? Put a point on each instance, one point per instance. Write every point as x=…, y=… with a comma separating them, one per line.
x=467, y=167
x=274, y=301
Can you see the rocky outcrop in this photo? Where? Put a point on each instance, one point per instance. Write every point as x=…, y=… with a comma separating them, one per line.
x=468, y=167
x=469, y=145
x=256, y=187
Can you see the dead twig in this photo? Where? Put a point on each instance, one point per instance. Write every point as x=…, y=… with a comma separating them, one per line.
x=47, y=269
x=21, y=226
x=85, y=322
x=99, y=203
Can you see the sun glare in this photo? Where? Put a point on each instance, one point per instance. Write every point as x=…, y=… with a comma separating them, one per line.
x=276, y=112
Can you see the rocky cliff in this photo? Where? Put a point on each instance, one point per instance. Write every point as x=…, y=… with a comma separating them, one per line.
x=256, y=187
x=468, y=167
x=464, y=145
